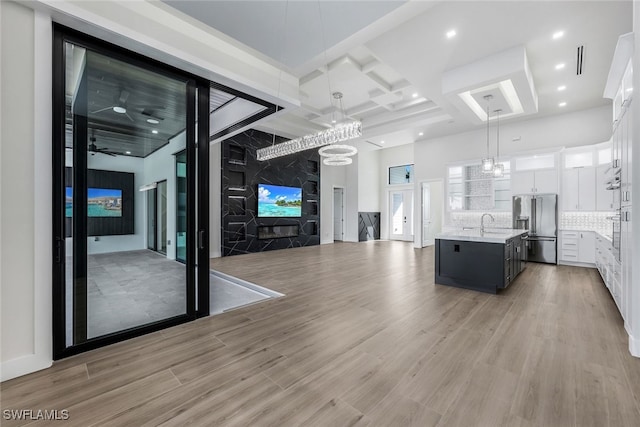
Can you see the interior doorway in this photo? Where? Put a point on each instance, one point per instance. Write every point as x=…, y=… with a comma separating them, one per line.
x=401, y=218
x=157, y=218
x=338, y=214
x=432, y=202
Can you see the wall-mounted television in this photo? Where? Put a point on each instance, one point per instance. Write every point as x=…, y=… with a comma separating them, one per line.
x=101, y=202
x=277, y=201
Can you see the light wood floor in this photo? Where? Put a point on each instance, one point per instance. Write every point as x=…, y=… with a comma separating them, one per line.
x=363, y=337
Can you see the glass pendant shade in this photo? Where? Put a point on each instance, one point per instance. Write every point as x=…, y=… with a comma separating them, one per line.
x=498, y=170
x=488, y=165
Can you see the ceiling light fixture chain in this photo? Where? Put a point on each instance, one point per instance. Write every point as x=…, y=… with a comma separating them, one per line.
x=338, y=133
x=282, y=49
x=498, y=168
x=488, y=163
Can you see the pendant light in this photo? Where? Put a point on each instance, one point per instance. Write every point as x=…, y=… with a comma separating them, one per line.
x=488, y=162
x=344, y=131
x=498, y=168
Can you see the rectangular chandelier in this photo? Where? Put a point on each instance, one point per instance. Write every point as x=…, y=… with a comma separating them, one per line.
x=338, y=133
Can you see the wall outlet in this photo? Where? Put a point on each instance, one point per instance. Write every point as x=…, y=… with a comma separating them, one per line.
x=96, y=239
x=168, y=242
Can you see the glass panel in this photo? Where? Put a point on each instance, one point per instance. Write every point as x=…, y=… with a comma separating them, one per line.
x=151, y=219
x=455, y=187
x=181, y=211
x=543, y=161
x=604, y=156
x=397, y=213
x=401, y=174
x=122, y=122
x=75, y=57
x=576, y=160
x=162, y=217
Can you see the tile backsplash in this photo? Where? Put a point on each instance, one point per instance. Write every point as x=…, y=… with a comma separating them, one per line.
x=595, y=221
x=472, y=219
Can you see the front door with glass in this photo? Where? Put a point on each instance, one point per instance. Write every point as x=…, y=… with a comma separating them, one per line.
x=401, y=208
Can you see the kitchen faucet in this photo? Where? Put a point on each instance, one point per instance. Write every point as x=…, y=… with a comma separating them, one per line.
x=482, y=221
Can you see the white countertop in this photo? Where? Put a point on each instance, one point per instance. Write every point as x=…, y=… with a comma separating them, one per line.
x=490, y=235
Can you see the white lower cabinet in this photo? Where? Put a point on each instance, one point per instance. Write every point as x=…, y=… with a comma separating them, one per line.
x=610, y=270
x=577, y=247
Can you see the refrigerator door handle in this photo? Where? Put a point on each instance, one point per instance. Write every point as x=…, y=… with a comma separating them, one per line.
x=541, y=239
x=534, y=219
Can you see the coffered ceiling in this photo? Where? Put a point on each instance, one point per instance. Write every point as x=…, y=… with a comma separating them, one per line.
x=389, y=58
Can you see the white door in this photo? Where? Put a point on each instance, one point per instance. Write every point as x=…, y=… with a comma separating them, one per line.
x=338, y=214
x=432, y=200
x=401, y=208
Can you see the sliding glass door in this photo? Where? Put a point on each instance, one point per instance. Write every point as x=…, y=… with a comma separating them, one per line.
x=119, y=121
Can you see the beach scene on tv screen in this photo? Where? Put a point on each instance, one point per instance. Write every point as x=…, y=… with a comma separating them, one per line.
x=279, y=201
x=101, y=202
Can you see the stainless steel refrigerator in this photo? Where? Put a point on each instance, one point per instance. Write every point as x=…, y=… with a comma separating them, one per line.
x=538, y=213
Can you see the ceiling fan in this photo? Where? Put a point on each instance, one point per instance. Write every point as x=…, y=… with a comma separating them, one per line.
x=121, y=106
x=93, y=148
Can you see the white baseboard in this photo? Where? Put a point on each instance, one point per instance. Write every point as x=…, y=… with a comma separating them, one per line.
x=22, y=366
x=577, y=264
x=634, y=346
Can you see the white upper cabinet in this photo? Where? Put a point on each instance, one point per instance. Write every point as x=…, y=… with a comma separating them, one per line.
x=579, y=189
x=534, y=174
x=546, y=181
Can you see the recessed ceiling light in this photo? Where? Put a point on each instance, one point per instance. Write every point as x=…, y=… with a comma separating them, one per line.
x=558, y=34
x=560, y=66
x=120, y=110
x=127, y=152
x=154, y=131
x=415, y=95
x=629, y=89
x=153, y=121
x=562, y=104
x=421, y=133
x=333, y=121
x=451, y=34
x=561, y=88
x=381, y=142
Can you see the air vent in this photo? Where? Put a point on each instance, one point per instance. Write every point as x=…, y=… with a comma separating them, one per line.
x=579, y=60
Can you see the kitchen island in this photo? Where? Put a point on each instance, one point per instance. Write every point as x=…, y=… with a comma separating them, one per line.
x=484, y=261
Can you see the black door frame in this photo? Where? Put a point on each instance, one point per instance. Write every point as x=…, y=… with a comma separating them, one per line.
x=155, y=219
x=197, y=234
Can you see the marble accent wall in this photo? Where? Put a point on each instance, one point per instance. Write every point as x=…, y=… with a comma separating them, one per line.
x=241, y=174
x=368, y=226
x=587, y=221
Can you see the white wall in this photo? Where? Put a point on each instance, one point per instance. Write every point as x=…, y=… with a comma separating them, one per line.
x=161, y=166
x=351, y=201
x=25, y=189
x=395, y=156
x=215, y=200
x=369, y=181
x=565, y=130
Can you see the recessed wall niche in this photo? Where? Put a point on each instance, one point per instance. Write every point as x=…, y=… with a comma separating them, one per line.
x=243, y=230
x=237, y=155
